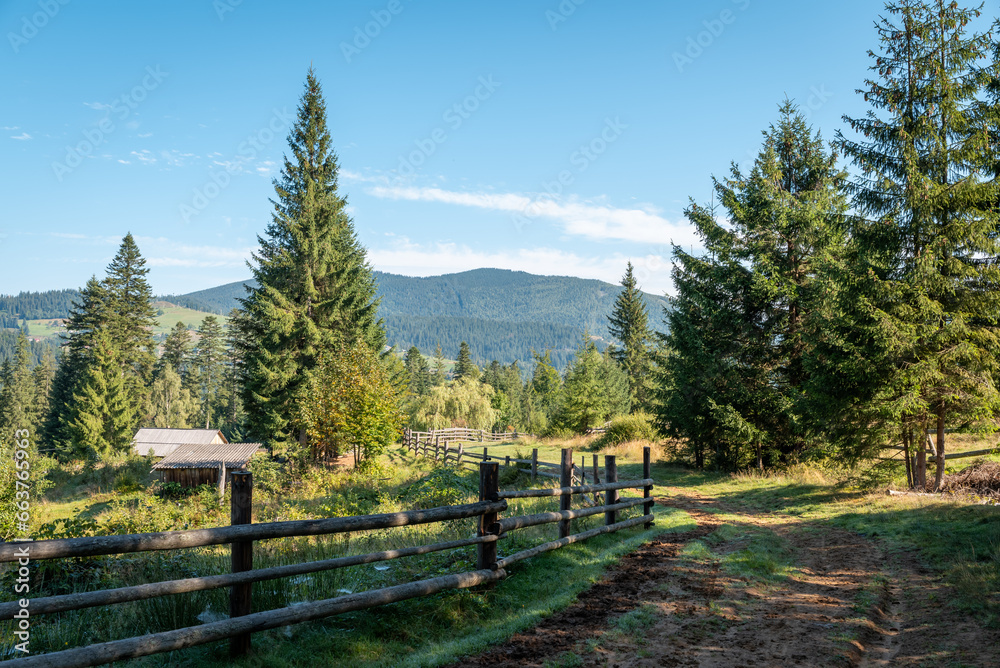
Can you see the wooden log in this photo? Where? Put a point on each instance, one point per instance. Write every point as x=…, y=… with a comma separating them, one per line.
x=242, y=558
x=91, y=599
x=489, y=485
x=512, y=523
x=534, y=464
x=168, y=641
x=962, y=455
x=579, y=489
x=568, y=540
x=174, y=540
x=647, y=490
x=566, y=480
x=611, y=495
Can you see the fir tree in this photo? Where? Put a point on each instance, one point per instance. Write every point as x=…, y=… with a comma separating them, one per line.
x=131, y=316
x=18, y=403
x=315, y=292
x=732, y=374
x=102, y=414
x=176, y=349
x=916, y=295
x=464, y=368
x=629, y=325
x=418, y=372
x=208, y=371
x=438, y=377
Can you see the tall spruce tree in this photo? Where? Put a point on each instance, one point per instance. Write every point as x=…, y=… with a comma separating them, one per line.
x=208, y=371
x=315, y=290
x=102, y=417
x=176, y=350
x=733, y=375
x=629, y=325
x=464, y=367
x=917, y=293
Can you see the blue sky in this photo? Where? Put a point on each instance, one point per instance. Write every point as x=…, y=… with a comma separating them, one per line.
x=554, y=136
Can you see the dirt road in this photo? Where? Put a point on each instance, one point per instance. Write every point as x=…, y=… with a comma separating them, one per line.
x=835, y=599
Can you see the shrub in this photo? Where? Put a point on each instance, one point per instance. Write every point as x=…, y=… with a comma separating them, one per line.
x=635, y=427
x=440, y=487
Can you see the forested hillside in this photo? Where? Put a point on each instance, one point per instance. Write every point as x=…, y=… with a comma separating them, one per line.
x=501, y=314
x=35, y=305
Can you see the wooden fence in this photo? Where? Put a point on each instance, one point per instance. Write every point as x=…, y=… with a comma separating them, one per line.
x=241, y=535
x=899, y=455
x=444, y=446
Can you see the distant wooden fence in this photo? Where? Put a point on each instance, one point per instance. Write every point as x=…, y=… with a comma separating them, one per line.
x=931, y=453
x=441, y=446
x=242, y=534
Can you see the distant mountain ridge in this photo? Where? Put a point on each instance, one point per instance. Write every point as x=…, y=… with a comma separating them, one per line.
x=501, y=314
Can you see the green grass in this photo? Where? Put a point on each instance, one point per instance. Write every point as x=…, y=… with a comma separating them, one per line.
x=168, y=315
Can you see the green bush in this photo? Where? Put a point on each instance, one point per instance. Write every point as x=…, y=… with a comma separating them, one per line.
x=440, y=487
x=635, y=427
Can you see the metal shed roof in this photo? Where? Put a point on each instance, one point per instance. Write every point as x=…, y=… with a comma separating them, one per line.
x=208, y=456
x=164, y=441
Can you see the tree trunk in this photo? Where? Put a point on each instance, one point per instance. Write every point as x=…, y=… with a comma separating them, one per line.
x=906, y=456
x=939, y=459
x=921, y=475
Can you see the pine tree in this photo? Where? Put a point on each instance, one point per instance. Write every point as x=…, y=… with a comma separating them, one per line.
x=418, y=372
x=86, y=317
x=315, y=289
x=131, y=317
x=236, y=348
x=595, y=389
x=917, y=293
x=176, y=349
x=102, y=415
x=208, y=371
x=629, y=325
x=18, y=404
x=438, y=377
x=464, y=368
x=733, y=372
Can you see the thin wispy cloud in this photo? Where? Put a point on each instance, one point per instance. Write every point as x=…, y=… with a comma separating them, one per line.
x=580, y=218
x=24, y=136
x=163, y=252
x=97, y=106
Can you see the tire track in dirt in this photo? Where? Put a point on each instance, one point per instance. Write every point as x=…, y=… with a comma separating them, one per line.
x=619, y=592
x=844, y=600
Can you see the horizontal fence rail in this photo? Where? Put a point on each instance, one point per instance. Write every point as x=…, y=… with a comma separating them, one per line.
x=241, y=535
x=173, y=540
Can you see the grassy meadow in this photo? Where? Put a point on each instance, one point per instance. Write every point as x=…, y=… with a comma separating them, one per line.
x=954, y=538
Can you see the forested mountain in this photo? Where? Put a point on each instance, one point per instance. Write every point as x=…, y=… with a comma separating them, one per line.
x=502, y=314
x=36, y=349
x=35, y=305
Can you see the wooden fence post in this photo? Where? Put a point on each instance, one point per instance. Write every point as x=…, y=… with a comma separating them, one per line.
x=610, y=496
x=506, y=461
x=647, y=507
x=534, y=464
x=597, y=481
x=485, y=454
x=489, y=486
x=242, y=557
x=566, y=479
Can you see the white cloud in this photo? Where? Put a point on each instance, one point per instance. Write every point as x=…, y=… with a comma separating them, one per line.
x=144, y=156
x=11, y=127
x=580, y=218
x=97, y=106
x=410, y=259
x=21, y=137
x=162, y=252
x=143, y=135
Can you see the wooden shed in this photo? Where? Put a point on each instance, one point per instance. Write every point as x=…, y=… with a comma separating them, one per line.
x=193, y=465
x=161, y=442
